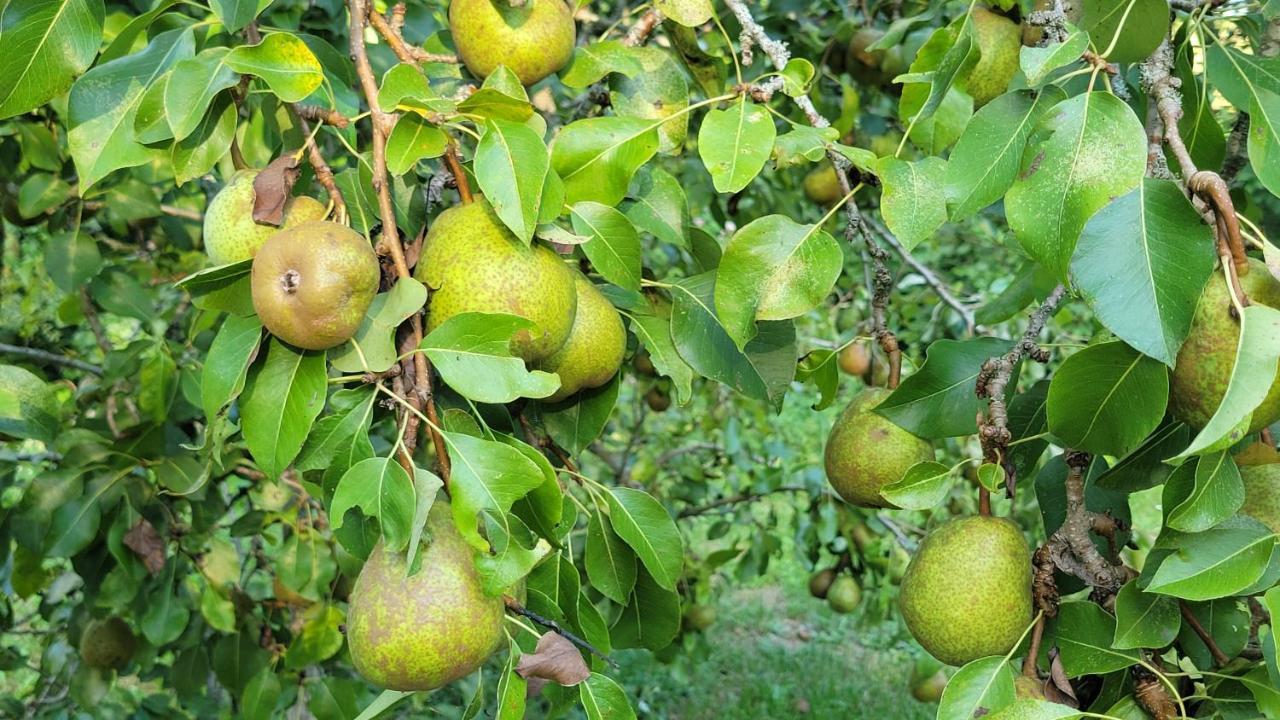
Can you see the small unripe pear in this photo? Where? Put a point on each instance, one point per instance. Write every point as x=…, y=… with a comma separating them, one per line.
x=1203, y=367
x=866, y=451
x=844, y=595
x=822, y=184
x=855, y=359
x=999, y=39
x=699, y=617
x=230, y=233
x=597, y=341
x=422, y=632
x=967, y=591
x=313, y=283
x=107, y=644
x=820, y=583
x=473, y=263
x=644, y=364
x=533, y=40
x=928, y=680
x=1262, y=494
x=657, y=400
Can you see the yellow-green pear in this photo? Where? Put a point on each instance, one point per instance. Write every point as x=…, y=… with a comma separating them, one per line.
x=313, y=283
x=422, y=632
x=473, y=263
x=230, y=233
x=844, y=595
x=1262, y=494
x=999, y=39
x=866, y=451
x=822, y=184
x=107, y=644
x=1203, y=366
x=967, y=591
x=597, y=341
x=533, y=40
x=699, y=618
x=928, y=680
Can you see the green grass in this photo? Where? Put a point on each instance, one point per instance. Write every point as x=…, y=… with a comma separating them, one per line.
x=774, y=652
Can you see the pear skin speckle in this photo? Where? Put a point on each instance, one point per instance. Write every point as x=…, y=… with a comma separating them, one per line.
x=533, y=40
x=866, y=451
x=1262, y=494
x=593, y=353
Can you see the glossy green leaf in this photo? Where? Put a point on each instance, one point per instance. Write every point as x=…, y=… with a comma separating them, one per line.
x=1144, y=620
x=383, y=491
x=511, y=166
x=610, y=563
x=1197, y=499
x=597, y=157
x=734, y=144
x=411, y=140
x=29, y=407
x=486, y=476
x=1127, y=31
x=980, y=687
x=613, y=245
x=282, y=397
x=283, y=61
x=192, y=85
x=594, y=61
x=1107, y=398
x=1084, y=633
x=643, y=523
x=47, y=44
x=1215, y=563
x=938, y=400
x=924, y=486
x=913, y=202
x=472, y=353
x=657, y=92
x=373, y=348
x=1264, y=138
x=604, y=699
x=658, y=206
x=1038, y=63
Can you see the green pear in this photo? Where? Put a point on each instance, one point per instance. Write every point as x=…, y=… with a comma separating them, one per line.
x=313, y=283
x=533, y=40
x=1262, y=494
x=1204, y=364
x=999, y=39
x=699, y=617
x=822, y=184
x=230, y=233
x=107, y=644
x=928, y=680
x=866, y=451
x=473, y=263
x=425, y=631
x=597, y=341
x=844, y=595
x=820, y=583
x=967, y=591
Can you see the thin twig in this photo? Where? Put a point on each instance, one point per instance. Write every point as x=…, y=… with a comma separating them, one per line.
x=736, y=500
x=55, y=358
x=1219, y=658
x=930, y=277
x=514, y=606
x=404, y=51
x=324, y=174
x=452, y=161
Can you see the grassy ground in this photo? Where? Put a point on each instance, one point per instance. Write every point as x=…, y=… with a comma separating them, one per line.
x=774, y=652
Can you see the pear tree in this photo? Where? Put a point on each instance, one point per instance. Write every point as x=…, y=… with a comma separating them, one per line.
x=365, y=359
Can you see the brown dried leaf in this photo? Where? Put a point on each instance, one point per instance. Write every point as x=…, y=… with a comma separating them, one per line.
x=143, y=539
x=1059, y=688
x=555, y=659
x=271, y=189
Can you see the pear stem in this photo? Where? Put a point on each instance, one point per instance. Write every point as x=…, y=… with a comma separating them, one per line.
x=459, y=175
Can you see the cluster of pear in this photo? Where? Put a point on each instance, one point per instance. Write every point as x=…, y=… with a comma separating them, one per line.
x=839, y=589
x=312, y=280
x=533, y=39
x=473, y=263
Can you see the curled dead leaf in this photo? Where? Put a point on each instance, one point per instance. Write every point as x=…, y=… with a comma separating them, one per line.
x=555, y=659
x=143, y=540
x=272, y=188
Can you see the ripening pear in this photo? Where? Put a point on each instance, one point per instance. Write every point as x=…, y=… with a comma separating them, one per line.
x=533, y=40
x=844, y=595
x=107, y=644
x=822, y=184
x=820, y=583
x=473, y=263
x=313, y=283
x=1262, y=494
x=866, y=451
x=425, y=631
x=657, y=399
x=597, y=341
x=928, y=680
x=230, y=233
x=855, y=359
x=967, y=591
x=1204, y=364
x=999, y=39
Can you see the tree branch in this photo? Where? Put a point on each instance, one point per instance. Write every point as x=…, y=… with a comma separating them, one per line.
x=324, y=174
x=405, y=52
x=735, y=500
x=930, y=277
x=1071, y=547
x=49, y=357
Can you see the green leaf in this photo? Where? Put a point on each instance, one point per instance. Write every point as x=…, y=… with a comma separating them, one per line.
x=305, y=564
x=610, y=563
x=281, y=399
x=235, y=14
x=1038, y=63
x=658, y=92
x=762, y=370
x=350, y=414
x=1083, y=632
x=820, y=367
x=167, y=614
x=426, y=485
x=72, y=259
x=613, y=246
x=373, y=347
x=319, y=639
x=207, y=144
x=283, y=61
x=658, y=206
x=1145, y=467
x=924, y=486
x=597, y=157
x=104, y=101
x=1256, y=364
x=1128, y=31
x=602, y=698
x=988, y=156
x=1271, y=648
x=1142, y=262
x=237, y=658
x=383, y=491
x=515, y=552
x=734, y=144
x=576, y=422
x=592, y=62
x=225, y=367
x=74, y=524
x=655, y=334
x=260, y=696
x=1264, y=138
x=29, y=408
x=1144, y=620
x=804, y=144
x=982, y=686
x=1239, y=75
x=1265, y=694
x=47, y=44
x=1219, y=562
x=472, y=353
x=1097, y=151
x=938, y=400
x=404, y=87
x=511, y=165
x=411, y=140
x=191, y=87
x=643, y=523
x=492, y=103
x=1226, y=621
x=1106, y=398
x=511, y=689
x=797, y=77
x=382, y=703
x=774, y=268
x=913, y=202
x=1203, y=492
x=690, y=13
x=41, y=193
x=486, y=476
x=651, y=618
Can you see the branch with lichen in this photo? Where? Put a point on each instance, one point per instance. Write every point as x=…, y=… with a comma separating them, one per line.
x=1071, y=546
x=930, y=277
